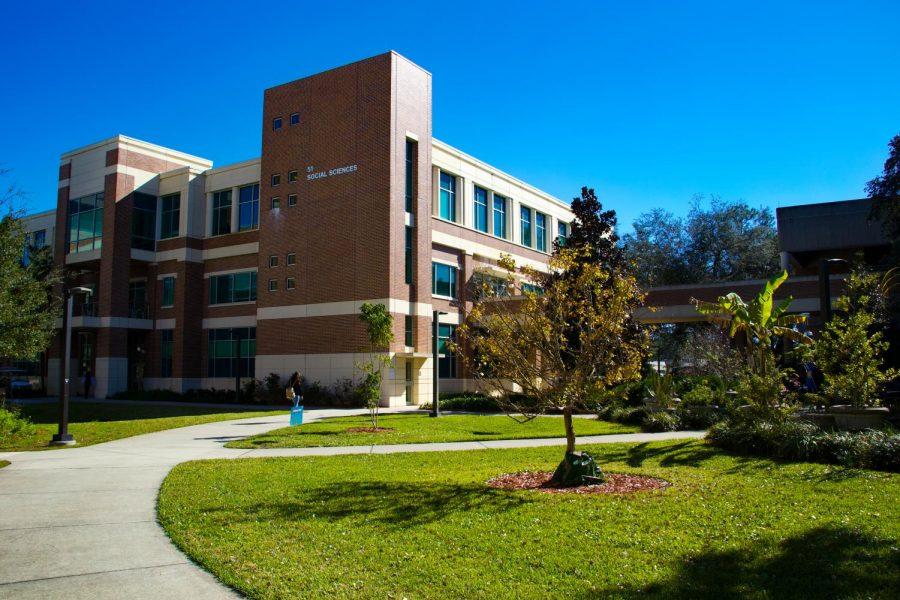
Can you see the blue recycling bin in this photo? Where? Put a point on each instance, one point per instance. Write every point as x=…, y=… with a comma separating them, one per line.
x=296, y=415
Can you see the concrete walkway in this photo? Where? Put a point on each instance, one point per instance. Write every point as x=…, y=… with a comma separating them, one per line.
x=81, y=522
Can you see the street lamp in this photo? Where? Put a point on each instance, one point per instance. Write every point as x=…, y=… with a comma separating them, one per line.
x=436, y=371
x=825, y=287
x=63, y=437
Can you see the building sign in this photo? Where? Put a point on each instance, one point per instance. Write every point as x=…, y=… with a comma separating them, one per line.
x=312, y=173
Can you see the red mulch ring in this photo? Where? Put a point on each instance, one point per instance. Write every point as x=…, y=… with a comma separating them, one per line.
x=616, y=483
x=369, y=429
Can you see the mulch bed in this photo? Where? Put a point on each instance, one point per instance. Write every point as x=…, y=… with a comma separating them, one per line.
x=369, y=429
x=616, y=483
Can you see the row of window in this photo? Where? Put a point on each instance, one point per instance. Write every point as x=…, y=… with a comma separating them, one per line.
x=233, y=287
x=85, y=220
x=277, y=122
x=248, y=209
x=444, y=282
x=289, y=284
x=290, y=260
x=490, y=214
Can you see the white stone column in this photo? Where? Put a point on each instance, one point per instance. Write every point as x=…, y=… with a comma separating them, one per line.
x=209, y=213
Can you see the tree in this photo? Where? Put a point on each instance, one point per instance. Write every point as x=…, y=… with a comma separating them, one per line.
x=555, y=349
x=728, y=241
x=380, y=333
x=884, y=191
x=759, y=323
x=27, y=309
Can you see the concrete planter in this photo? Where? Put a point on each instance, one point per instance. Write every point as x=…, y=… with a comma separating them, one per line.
x=856, y=418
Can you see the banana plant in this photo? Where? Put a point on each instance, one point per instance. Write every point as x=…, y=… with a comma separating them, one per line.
x=759, y=320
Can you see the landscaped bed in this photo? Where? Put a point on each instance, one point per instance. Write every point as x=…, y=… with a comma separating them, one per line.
x=420, y=428
x=427, y=525
x=96, y=422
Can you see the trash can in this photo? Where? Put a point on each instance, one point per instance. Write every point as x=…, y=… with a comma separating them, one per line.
x=296, y=415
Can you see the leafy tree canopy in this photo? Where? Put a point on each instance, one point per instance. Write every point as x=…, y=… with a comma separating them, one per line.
x=726, y=241
x=884, y=191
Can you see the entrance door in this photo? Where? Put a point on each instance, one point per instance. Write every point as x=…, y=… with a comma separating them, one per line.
x=410, y=385
x=137, y=359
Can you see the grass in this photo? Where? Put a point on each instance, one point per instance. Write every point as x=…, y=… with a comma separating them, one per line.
x=420, y=428
x=4, y=463
x=425, y=525
x=95, y=422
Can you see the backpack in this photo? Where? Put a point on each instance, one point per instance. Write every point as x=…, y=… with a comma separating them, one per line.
x=289, y=393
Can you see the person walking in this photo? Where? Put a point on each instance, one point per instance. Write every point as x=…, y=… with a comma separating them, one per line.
x=294, y=385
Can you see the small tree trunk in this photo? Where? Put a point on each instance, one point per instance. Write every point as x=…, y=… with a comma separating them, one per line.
x=570, y=430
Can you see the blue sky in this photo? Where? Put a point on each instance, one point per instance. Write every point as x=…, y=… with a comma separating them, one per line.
x=650, y=103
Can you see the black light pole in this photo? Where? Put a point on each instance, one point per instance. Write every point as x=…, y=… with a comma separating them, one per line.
x=63, y=437
x=436, y=371
x=825, y=287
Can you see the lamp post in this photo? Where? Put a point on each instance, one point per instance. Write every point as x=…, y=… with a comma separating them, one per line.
x=825, y=287
x=436, y=356
x=63, y=437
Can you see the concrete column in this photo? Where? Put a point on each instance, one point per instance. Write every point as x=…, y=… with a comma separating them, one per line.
x=209, y=212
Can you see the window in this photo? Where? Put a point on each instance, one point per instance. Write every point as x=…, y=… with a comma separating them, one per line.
x=447, y=363
x=289, y=283
x=295, y=118
x=292, y=176
x=85, y=223
x=540, y=231
x=562, y=233
x=38, y=239
x=273, y=285
x=291, y=259
x=410, y=174
x=273, y=260
x=447, y=205
x=499, y=216
x=408, y=327
x=221, y=209
x=233, y=287
x=275, y=203
x=276, y=123
x=168, y=291
x=166, y=343
x=276, y=180
x=143, y=221
x=170, y=214
x=408, y=256
x=443, y=280
x=530, y=288
x=496, y=286
x=525, y=215
x=248, y=207
x=481, y=209
x=292, y=199
x=226, y=345
x=137, y=300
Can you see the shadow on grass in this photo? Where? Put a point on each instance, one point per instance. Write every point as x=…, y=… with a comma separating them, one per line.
x=392, y=505
x=828, y=562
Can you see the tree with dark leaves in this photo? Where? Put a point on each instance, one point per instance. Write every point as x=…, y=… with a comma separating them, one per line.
x=884, y=191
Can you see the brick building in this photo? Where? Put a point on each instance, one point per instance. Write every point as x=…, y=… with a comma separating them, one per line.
x=352, y=200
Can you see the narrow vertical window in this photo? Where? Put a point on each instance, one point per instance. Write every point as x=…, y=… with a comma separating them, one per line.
x=525, y=217
x=443, y=280
x=248, y=207
x=276, y=123
x=295, y=118
x=447, y=205
x=143, y=221
x=221, y=209
x=540, y=231
x=562, y=233
x=409, y=255
x=411, y=151
x=409, y=323
x=481, y=209
x=447, y=364
x=168, y=292
x=170, y=213
x=499, y=216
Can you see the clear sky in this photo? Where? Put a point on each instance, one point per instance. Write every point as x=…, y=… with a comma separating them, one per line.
x=775, y=103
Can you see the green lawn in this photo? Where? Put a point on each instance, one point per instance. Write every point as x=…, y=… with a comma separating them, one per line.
x=420, y=428
x=425, y=525
x=4, y=463
x=95, y=422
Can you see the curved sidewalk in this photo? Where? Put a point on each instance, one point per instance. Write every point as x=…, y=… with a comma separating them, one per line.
x=81, y=522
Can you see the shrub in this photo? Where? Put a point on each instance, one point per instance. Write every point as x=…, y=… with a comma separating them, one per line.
x=699, y=417
x=700, y=395
x=340, y=395
x=274, y=391
x=661, y=421
x=634, y=415
x=469, y=402
x=797, y=440
x=12, y=424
